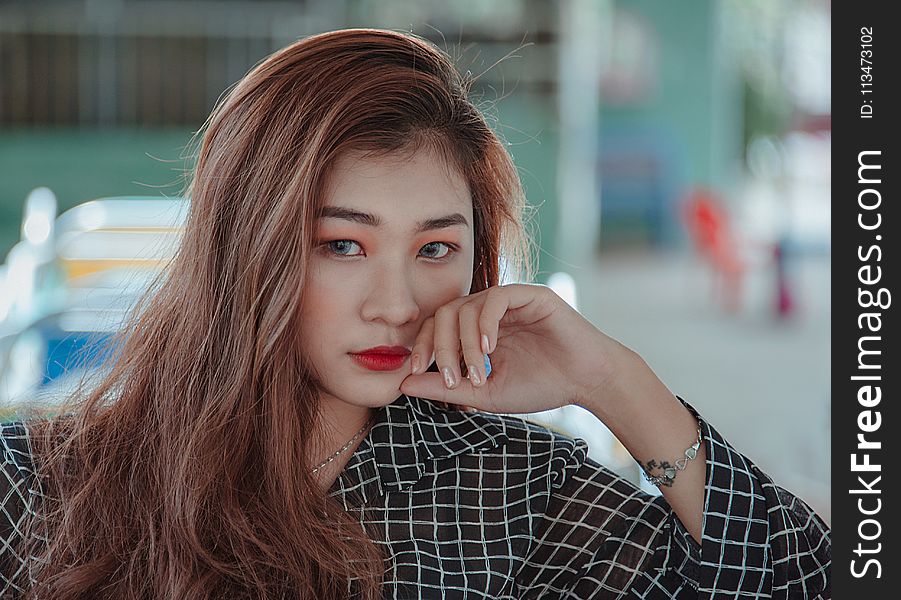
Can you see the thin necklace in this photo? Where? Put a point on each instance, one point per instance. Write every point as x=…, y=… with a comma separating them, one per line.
x=346, y=446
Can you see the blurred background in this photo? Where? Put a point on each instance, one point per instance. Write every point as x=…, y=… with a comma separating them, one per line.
x=677, y=156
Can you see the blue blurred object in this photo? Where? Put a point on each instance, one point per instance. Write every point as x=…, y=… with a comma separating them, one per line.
x=640, y=184
x=68, y=352
x=72, y=280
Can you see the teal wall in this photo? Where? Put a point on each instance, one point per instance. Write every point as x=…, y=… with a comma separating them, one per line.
x=697, y=98
x=80, y=165
x=530, y=129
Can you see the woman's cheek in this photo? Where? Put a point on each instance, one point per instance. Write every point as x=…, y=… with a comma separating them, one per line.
x=327, y=276
x=326, y=290
x=448, y=286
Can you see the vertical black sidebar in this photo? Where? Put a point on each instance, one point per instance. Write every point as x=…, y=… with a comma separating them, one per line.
x=866, y=470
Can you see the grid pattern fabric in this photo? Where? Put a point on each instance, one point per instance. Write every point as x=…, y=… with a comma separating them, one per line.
x=479, y=505
x=20, y=493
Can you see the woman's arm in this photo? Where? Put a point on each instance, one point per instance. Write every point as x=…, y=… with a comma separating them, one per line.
x=653, y=425
x=598, y=536
x=734, y=531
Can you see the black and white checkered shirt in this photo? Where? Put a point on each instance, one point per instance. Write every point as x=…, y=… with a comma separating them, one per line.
x=479, y=505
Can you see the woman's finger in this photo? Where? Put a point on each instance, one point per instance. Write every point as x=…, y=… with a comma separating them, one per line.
x=432, y=386
x=470, y=341
x=422, y=349
x=447, y=344
x=501, y=299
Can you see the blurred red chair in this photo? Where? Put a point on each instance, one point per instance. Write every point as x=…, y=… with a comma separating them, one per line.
x=708, y=225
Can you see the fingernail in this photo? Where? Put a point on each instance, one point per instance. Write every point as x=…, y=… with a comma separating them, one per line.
x=484, y=344
x=474, y=375
x=448, y=377
x=487, y=366
x=414, y=363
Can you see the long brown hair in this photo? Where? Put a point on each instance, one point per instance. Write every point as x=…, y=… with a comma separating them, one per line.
x=181, y=475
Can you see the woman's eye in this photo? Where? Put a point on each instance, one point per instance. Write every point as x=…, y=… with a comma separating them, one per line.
x=432, y=250
x=433, y=245
x=340, y=246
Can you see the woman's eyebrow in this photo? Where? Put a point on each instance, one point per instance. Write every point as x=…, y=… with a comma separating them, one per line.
x=349, y=214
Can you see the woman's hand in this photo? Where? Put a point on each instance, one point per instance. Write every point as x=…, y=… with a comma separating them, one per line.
x=543, y=353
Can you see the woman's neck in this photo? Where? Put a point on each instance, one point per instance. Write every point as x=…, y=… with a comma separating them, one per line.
x=339, y=423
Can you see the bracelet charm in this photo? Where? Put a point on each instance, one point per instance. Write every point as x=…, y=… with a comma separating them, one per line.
x=670, y=470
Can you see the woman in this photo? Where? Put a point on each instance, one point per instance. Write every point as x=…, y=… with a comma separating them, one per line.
x=281, y=420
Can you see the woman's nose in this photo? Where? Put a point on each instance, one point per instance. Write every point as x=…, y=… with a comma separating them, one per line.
x=391, y=297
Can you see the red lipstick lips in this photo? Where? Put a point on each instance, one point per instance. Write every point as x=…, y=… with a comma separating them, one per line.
x=381, y=358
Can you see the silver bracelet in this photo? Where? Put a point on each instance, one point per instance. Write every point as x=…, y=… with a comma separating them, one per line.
x=669, y=471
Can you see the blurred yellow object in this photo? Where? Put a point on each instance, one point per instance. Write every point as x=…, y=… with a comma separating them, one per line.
x=135, y=233
x=74, y=269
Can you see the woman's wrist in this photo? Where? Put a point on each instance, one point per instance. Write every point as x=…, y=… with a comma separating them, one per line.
x=625, y=372
x=636, y=405
x=656, y=428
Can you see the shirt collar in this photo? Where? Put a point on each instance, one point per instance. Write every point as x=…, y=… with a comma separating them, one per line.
x=407, y=434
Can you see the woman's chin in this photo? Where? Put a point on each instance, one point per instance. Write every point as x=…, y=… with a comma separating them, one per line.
x=378, y=401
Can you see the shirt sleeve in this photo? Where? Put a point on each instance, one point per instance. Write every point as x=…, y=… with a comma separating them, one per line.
x=15, y=499
x=602, y=537
x=758, y=539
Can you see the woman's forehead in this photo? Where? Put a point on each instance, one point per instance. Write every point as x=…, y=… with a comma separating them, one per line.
x=419, y=187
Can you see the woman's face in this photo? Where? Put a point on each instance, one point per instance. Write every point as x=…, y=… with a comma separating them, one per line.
x=393, y=243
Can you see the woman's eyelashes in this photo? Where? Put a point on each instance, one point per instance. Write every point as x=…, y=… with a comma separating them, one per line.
x=335, y=247
x=446, y=254
x=433, y=250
